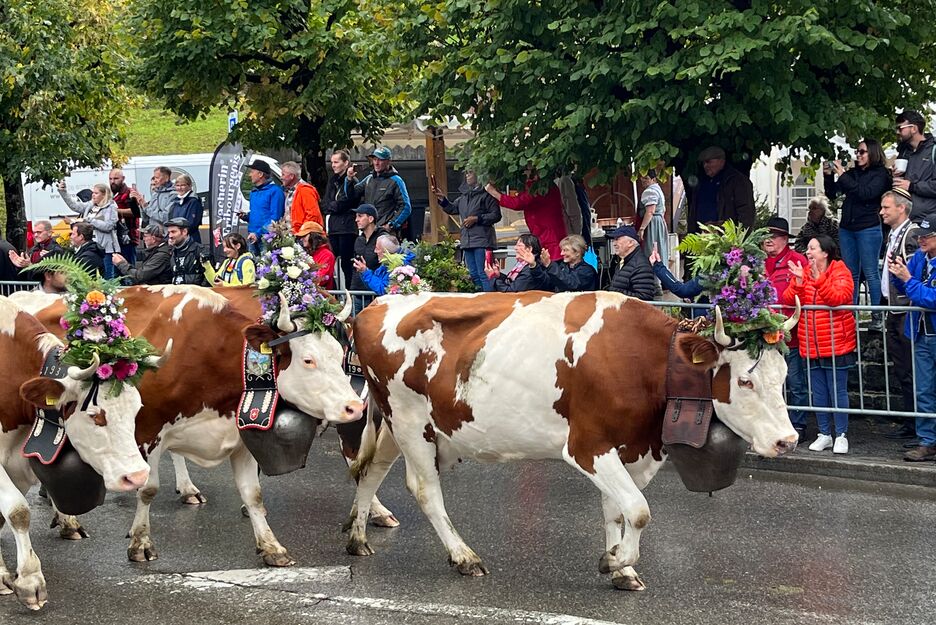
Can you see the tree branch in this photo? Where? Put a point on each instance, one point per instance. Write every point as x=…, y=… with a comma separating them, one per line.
x=258, y=56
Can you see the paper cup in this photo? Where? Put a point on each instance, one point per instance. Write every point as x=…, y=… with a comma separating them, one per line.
x=900, y=166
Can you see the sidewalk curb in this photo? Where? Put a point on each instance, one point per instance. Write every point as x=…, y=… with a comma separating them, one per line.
x=868, y=469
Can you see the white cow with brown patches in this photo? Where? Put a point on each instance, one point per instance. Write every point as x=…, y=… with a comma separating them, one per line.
x=102, y=434
x=577, y=377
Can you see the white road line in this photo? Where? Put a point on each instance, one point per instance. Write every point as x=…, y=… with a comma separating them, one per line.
x=269, y=579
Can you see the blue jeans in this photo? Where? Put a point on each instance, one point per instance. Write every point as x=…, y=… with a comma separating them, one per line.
x=825, y=395
x=474, y=259
x=796, y=389
x=256, y=248
x=860, y=251
x=924, y=357
x=109, y=272
x=129, y=253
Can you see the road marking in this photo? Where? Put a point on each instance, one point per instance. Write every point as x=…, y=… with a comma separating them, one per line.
x=269, y=579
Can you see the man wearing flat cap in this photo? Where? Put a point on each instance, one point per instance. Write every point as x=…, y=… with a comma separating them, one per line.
x=722, y=193
x=267, y=204
x=633, y=275
x=384, y=189
x=187, y=254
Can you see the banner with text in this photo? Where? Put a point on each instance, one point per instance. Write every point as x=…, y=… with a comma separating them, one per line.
x=227, y=167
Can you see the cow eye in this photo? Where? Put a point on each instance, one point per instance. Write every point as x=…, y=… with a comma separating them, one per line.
x=745, y=383
x=309, y=362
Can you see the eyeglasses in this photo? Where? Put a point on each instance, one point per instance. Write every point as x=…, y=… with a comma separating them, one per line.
x=901, y=127
x=861, y=151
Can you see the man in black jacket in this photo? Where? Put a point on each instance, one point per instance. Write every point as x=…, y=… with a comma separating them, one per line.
x=339, y=210
x=722, y=193
x=385, y=190
x=918, y=148
x=633, y=275
x=365, y=216
x=187, y=255
x=155, y=266
x=87, y=252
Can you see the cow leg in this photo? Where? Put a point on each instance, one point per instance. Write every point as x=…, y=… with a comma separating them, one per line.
x=245, y=468
x=189, y=493
x=624, y=501
x=29, y=583
x=69, y=525
x=369, y=481
x=349, y=440
x=141, y=547
x=625, y=578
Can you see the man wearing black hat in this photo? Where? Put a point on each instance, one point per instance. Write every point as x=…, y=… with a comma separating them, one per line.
x=918, y=149
x=187, y=254
x=777, y=264
x=633, y=275
x=916, y=279
x=722, y=193
x=365, y=253
x=267, y=204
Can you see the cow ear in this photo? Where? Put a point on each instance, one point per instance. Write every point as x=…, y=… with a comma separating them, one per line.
x=697, y=350
x=257, y=334
x=42, y=392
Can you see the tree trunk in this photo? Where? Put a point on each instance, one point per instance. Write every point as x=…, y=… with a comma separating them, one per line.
x=313, y=152
x=15, y=227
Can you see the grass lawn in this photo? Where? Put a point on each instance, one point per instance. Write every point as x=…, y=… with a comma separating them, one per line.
x=154, y=132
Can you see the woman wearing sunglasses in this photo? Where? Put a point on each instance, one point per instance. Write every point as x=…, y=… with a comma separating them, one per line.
x=860, y=234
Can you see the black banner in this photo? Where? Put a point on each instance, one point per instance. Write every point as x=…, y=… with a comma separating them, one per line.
x=227, y=167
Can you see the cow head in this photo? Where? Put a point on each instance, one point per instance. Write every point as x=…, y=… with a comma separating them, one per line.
x=310, y=373
x=747, y=392
x=101, y=426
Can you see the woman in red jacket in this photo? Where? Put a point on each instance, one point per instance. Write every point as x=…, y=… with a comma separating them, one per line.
x=313, y=238
x=827, y=339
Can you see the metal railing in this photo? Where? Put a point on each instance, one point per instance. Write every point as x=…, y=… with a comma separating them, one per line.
x=8, y=287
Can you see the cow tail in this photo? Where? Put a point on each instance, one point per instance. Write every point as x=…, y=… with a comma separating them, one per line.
x=365, y=454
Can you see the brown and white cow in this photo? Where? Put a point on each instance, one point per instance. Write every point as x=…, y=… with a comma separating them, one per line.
x=190, y=403
x=102, y=434
x=577, y=377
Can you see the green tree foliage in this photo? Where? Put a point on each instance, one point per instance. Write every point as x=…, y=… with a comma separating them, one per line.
x=61, y=97
x=596, y=83
x=303, y=73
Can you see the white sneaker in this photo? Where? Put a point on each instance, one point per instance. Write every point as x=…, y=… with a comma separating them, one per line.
x=823, y=442
x=841, y=445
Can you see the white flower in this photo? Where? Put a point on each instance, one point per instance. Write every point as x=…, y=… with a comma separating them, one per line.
x=288, y=253
x=293, y=271
x=108, y=318
x=263, y=283
x=305, y=266
x=94, y=334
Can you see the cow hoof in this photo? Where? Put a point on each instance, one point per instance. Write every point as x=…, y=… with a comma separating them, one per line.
x=6, y=584
x=387, y=520
x=72, y=533
x=471, y=569
x=142, y=550
x=610, y=562
x=627, y=580
x=31, y=590
x=194, y=499
x=359, y=548
x=278, y=559
x=244, y=512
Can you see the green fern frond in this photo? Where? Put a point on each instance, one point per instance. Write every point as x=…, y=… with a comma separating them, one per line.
x=68, y=265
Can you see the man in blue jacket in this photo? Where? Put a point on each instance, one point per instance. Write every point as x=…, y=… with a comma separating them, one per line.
x=917, y=280
x=384, y=189
x=377, y=280
x=267, y=204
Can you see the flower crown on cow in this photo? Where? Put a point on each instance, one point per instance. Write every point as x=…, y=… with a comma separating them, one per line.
x=287, y=277
x=729, y=264
x=96, y=334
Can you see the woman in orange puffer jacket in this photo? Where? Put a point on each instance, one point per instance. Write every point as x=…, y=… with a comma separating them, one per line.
x=827, y=338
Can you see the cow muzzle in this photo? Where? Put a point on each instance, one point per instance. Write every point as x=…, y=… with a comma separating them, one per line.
x=352, y=411
x=133, y=481
x=786, y=445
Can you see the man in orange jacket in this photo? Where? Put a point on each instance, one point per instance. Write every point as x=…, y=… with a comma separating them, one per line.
x=302, y=199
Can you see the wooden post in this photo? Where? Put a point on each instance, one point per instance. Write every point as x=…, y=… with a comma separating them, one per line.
x=435, y=166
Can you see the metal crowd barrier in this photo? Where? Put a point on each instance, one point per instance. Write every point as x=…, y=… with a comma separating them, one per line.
x=8, y=287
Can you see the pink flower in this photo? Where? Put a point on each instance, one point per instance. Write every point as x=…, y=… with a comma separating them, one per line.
x=105, y=371
x=134, y=367
x=63, y=323
x=416, y=280
x=122, y=369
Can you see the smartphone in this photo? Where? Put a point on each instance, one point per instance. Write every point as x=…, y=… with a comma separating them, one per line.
x=133, y=186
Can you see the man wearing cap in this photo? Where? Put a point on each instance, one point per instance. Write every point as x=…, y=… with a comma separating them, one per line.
x=384, y=189
x=917, y=280
x=155, y=265
x=267, y=204
x=633, y=275
x=896, y=208
x=779, y=256
x=365, y=217
x=302, y=199
x=187, y=255
x=918, y=148
x=722, y=193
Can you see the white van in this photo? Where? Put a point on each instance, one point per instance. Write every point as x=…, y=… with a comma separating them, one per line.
x=45, y=203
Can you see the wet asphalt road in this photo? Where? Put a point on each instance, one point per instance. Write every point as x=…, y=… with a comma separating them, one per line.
x=774, y=548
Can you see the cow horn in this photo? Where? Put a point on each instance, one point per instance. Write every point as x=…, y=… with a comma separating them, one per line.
x=158, y=361
x=791, y=321
x=76, y=373
x=346, y=310
x=721, y=337
x=284, y=323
